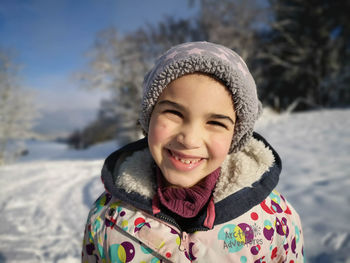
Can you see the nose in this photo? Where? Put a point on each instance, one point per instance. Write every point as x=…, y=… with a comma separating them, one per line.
x=189, y=136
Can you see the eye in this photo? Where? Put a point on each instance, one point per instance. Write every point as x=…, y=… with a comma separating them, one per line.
x=174, y=112
x=217, y=123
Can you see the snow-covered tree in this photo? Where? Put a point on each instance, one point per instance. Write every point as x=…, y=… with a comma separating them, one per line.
x=307, y=54
x=117, y=65
x=17, y=111
x=234, y=24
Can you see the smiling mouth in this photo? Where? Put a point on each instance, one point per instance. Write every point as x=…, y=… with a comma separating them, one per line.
x=183, y=159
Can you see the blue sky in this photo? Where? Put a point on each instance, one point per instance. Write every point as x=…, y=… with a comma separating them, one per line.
x=50, y=38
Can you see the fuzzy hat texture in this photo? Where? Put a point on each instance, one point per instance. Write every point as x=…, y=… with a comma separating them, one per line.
x=212, y=59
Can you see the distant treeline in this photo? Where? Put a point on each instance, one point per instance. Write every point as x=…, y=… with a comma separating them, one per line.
x=298, y=52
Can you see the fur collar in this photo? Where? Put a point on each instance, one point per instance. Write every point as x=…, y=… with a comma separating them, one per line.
x=239, y=170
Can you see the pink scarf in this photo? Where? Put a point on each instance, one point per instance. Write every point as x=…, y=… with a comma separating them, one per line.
x=186, y=202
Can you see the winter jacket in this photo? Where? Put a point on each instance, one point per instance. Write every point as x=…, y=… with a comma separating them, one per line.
x=252, y=222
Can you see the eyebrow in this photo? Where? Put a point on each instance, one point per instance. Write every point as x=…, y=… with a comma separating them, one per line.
x=171, y=103
x=182, y=108
x=222, y=117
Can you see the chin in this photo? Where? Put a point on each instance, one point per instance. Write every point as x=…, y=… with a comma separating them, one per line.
x=173, y=180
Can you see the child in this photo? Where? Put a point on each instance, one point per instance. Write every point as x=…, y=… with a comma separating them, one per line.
x=200, y=186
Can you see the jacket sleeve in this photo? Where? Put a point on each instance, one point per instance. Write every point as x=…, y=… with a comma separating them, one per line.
x=89, y=251
x=296, y=249
x=287, y=243
x=92, y=250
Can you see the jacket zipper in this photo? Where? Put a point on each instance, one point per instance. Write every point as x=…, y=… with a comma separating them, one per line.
x=169, y=220
x=184, y=244
x=173, y=222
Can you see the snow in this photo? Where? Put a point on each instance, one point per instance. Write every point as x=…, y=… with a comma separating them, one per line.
x=45, y=198
x=315, y=152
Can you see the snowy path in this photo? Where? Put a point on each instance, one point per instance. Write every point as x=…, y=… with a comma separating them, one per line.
x=44, y=204
x=44, y=207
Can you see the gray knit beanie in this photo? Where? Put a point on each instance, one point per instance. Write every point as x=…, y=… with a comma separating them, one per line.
x=212, y=59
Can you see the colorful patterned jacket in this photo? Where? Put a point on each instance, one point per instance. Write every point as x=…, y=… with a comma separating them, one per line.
x=252, y=222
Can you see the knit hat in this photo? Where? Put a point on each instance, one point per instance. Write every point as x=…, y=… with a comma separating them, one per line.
x=212, y=59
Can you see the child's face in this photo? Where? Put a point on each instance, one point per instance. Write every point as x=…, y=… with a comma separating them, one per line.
x=191, y=129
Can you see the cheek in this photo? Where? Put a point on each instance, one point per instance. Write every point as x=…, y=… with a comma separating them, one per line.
x=159, y=131
x=220, y=145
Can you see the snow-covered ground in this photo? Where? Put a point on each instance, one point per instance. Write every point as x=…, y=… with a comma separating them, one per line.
x=315, y=152
x=45, y=198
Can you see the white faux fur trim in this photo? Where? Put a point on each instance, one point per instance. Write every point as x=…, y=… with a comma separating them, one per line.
x=136, y=174
x=243, y=168
x=239, y=170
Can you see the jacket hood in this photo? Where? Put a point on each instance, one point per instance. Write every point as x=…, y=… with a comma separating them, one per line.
x=247, y=177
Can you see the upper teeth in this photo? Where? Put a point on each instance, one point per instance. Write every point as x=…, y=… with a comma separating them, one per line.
x=184, y=160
